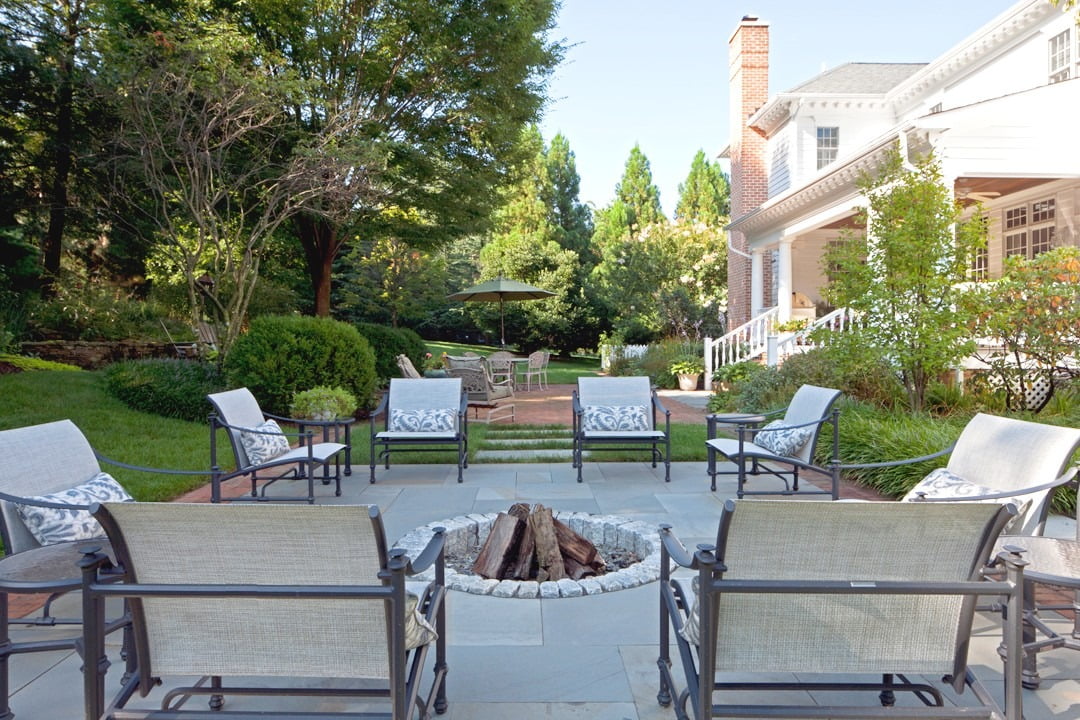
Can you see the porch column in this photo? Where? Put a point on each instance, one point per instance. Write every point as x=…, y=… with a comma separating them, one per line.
x=783, y=280
x=757, y=282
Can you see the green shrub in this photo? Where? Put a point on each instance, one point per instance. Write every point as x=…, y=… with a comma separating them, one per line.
x=30, y=364
x=659, y=357
x=92, y=311
x=388, y=343
x=166, y=387
x=323, y=403
x=280, y=355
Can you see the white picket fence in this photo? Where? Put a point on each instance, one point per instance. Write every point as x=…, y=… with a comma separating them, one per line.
x=609, y=353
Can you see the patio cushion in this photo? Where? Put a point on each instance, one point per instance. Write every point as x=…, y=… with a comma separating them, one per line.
x=778, y=437
x=615, y=418
x=56, y=525
x=418, y=631
x=425, y=420
x=265, y=444
x=941, y=483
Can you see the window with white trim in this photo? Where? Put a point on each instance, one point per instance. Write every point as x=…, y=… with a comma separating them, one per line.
x=1060, y=56
x=980, y=264
x=1029, y=229
x=828, y=145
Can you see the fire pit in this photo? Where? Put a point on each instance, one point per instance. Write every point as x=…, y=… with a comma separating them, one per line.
x=613, y=535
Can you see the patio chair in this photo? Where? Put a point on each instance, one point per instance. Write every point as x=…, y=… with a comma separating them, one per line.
x=484, y=393
x=408, y=370
x=501, y=367
x=619, y=413
x=260, y=446
x=468, y=360
x=422, y=416
x=999, y=459
x=52, y=476
x=537, y=368
x=790, y=441
x=864, y=596
x=209, y=601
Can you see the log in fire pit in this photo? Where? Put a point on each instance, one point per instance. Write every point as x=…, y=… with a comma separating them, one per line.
x=530, y=544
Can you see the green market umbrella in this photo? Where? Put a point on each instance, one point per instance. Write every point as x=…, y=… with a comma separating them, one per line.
x=499, y=290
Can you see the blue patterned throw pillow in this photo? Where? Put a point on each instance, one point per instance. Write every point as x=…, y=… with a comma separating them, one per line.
x=265, y=443
x=430, y=420
x=779, y=438
x=56, y=525
x=942, y=483
x=616, y=418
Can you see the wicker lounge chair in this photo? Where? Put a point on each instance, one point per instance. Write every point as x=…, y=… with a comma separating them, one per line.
x=862, y=595
x=260, y=447
x=619, y=413
x=422, y=416
x=52, y=477
x=999, y=459
x=792, y=442
x=484, y=393
x=408, y=370
x=209, y=601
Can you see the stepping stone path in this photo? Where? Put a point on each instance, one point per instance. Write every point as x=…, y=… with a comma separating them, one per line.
x=518, y=443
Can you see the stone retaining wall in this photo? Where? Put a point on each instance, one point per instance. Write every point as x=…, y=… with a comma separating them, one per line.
x=91, y=355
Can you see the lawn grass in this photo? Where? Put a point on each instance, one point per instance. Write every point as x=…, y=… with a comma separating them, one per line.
x=113, y=429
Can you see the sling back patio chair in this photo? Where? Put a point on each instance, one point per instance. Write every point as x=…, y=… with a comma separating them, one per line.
x=52, y=476
x=787, y=442
x=422, y=416
x=260, y=446
x=208, y=601
x=999, y=459
x=484, y=393
x=864, y=596
x=408, y=370
x=619, y=413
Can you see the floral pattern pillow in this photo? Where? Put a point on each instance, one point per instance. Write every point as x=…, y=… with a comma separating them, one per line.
x=616, y=418
x=941, y=483
x=429, y=420
x=781, y=439
x=264, y=442
x=56, y=525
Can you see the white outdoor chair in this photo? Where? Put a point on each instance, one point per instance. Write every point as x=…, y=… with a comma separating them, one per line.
x=421, y=416
x=619, y=413
x=790, y=441
x=52, y=477
x=536, y=368
x=501, y=367
x=860, y=596
x=259, y=446
x=209, y=601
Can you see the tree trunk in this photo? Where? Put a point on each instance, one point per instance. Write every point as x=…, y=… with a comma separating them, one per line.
x=320, y=242
x=53, y=241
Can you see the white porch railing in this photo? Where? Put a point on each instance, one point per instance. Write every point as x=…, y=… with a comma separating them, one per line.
x=746, y=342
x=788, y=344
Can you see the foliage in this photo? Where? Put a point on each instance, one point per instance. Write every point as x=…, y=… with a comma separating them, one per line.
x=32, y=364
x=736, y=372
x=573, y=217
x=323, y=403
x=705, y=195
x=167, y=387
x=280, y=355
x=387, y=281
x=88, y=309
x=638, y=193
x=387, y=343
x=902, y=276
x=687, y=365
x=661, y=355
x=1034, y=311
x=792, y=325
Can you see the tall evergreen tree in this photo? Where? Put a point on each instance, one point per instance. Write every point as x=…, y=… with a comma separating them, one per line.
x=705, y=196
x=637, y=191
x=573, y=216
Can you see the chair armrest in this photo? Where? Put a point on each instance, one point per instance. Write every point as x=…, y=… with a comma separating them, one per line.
x=898, y=463
x=1004, y=495
x=429, y=555
x=659, y=405
x=675, y=549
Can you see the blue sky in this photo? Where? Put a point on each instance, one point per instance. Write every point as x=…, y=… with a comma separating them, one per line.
x=654, y=72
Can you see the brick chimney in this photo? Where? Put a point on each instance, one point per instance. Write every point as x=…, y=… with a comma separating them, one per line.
x=748, y=63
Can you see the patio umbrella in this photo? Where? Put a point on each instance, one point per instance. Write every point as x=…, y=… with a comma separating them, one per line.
x=500, y=289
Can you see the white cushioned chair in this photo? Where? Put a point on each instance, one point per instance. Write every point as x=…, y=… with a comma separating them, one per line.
x=619, y=413
x=260, y=446
x=208, y=601
x=787, y=442
x=423, y=416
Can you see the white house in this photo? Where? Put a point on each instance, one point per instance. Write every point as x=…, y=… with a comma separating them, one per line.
x=1001, y=110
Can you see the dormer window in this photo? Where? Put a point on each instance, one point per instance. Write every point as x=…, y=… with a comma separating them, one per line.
x=1060, y=48
x=828, y=145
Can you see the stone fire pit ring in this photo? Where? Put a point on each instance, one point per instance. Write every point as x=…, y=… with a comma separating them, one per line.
x=466, y=531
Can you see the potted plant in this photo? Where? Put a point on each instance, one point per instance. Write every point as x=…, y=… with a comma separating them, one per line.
x=323, y=403
x=792, y=325
x=725, y=376
x=688, y=369
x=434, y=365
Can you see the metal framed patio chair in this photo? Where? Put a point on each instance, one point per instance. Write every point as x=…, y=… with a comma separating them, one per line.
x=536, y=368
x=619, y=413
x=864, y=596
x=423, y=416
x=260, y=446
x=999, y=459
x=790, y=441
x=45, y=492
x=326, y=614
x=485, y=393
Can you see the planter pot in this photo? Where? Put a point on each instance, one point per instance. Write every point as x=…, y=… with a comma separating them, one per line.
x=434, y=373
x=688, y=382
x=720, y=386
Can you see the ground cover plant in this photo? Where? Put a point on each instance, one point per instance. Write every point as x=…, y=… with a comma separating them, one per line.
x=166, y=387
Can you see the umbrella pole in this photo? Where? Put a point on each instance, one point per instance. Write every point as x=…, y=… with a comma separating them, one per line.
x=502, y=325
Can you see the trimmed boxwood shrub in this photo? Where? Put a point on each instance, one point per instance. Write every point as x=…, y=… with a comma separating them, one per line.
x=280, y=355
x=388, y=343
x=167, y=387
